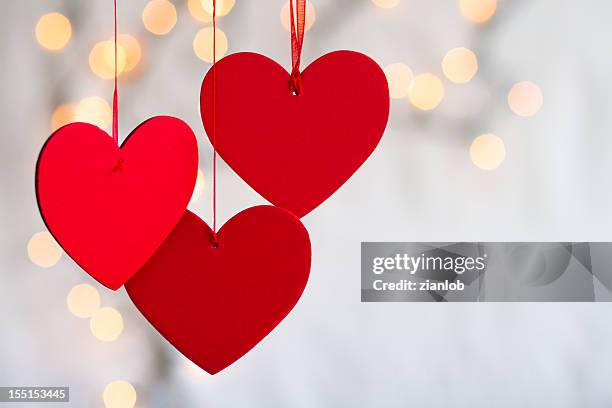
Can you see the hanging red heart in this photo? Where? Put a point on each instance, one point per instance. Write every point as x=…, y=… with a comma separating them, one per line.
x=295, y=150
x=214, y=304
x=110, y=208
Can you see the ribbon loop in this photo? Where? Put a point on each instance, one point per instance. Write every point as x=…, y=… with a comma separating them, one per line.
x=115, y=97
x=215, y=242
x=298, y=22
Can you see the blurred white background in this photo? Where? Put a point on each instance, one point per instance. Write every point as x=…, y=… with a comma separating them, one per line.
x=544, y=175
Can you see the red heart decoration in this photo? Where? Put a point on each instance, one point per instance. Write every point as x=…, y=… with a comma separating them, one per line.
x=110, y=208
x=296, y=151
x=216, y=304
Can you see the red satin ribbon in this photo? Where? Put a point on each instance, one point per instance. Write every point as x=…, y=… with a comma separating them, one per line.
x=297, y=39
x=115, y=99
x=214, y=129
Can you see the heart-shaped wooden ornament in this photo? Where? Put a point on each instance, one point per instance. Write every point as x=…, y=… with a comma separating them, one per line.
x=214, y=304
x=295, y=150
x=108, y=207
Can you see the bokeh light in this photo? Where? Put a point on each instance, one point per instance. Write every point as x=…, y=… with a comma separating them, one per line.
x=102, y=59
x=83, y=300
x=386, y=3
x=43, y=250
x=131, y=50
x=399, y=76
x=198, y=190
x=106, y=324
x=525, y=98
x=285, y=16
x=109, y=56
x=62, y=115
x=119, y=394
x=460, y=65
x=223, y=7
x=198, y=12
x=159, y=16
x=94, y=110
x=203, y=44
x=487, y=151
x=53, y=31
x=478, y=11
x=426, y=91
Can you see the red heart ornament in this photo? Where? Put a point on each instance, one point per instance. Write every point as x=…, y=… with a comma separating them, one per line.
x=216, y=304
x=110, y=208
x=295, y=151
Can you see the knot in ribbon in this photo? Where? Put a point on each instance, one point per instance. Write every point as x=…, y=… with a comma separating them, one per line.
x=298, y=22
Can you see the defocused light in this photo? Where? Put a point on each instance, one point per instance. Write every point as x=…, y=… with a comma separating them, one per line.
x=199, y=187
x=386, y=3
x=478, y=11
x=131, y=49
x=43, y=250
x=460, y=65
x=399, y=77
x=94, y=110
x=487, y=151
x=203, y=41
x=285, y=16
x=426, y=91
x=83, y=300
x=109, y=56
x=525, y=98
x=119, y=394
x=106, y=324
x=159, y=16
x=53, y=31
x=62, y=115
x=197, y=11
x=223, y=7
x=102, y=59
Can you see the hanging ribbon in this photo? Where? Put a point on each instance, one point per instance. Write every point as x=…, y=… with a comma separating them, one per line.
x=297, y=39
x=214, y=127
x=115, y=103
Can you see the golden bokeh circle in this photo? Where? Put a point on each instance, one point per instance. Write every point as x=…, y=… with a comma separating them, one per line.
x=399, y=76
x=223, y=7
x=94, y=110
x=478, y=11
x=119, y=394
x=43, y=250
x=83, y=300
x=488, y=151
x=311, y=16
x=102, y=59
x=132, y=51
x=426, y=92
x=159, y=16
x=525, y=98
x=203, y=44
x=460, y=65
x=53, y=31
x=198, y=12
x=62, y=115
x=106, y=324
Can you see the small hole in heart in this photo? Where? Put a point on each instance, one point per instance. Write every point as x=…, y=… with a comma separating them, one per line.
x=119, y=166
x=295, y=93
